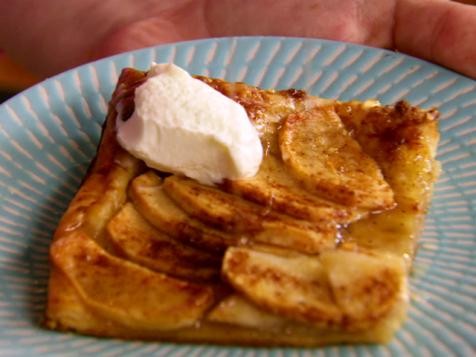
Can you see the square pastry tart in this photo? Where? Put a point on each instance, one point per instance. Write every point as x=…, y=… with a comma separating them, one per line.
x=314, y=249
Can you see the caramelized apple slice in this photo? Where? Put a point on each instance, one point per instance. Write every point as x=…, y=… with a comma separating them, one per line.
x=125, y=292
x=294, y=286
x=237, y=310
x=298, y=235
x=340, y=289
x=210, y=205
x=136, y=239
x=365, y=287
x=232, y=213
x=153, y=203
x=323, y=156
x=275, y=188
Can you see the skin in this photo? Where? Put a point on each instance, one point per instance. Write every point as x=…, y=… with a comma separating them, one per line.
x=53, y=35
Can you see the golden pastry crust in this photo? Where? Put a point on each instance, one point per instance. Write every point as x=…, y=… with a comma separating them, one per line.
x=265, y=261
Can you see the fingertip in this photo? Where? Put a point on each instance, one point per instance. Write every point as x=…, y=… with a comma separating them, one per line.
x=440, y=31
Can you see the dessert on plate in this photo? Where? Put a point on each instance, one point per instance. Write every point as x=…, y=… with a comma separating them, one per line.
x=296, y=225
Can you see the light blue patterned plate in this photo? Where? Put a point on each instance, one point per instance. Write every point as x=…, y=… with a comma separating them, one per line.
x=49, y=133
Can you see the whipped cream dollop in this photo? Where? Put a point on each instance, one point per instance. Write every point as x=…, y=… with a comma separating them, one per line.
x=182, y=125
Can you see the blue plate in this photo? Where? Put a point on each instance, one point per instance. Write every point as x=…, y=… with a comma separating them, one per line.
x=49, y=133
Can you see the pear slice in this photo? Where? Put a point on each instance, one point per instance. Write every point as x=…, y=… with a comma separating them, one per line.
x=140, y=242
x=232, y=213
x=323, y=156
x=294, y=286
x=126, y=293
x=150, y=199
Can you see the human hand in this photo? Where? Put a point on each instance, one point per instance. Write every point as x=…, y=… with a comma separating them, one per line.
x=53, y=35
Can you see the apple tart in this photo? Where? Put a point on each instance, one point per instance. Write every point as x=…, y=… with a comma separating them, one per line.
x=314, y=249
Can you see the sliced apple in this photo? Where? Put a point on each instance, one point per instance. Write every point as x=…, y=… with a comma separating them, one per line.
x=125, y=292
x=276, y=189
x=234, y=214
x=237, y=310
x=339, y=289
x=152, y=202
x=297, y=235
x=365, y=286
x=294, y=286
x=323, y=156
x=223, y=210
x=140, y=242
